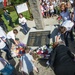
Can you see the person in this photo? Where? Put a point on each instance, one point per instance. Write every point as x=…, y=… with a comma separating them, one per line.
x=65, y=29
x=5, y=67
x=3, y=44
x=65, y=14
x=2, y=24
x=26, y=63
x=11, y=37
x=7, y=17
x=62, y=60
x=51, y=7
x=23, y=23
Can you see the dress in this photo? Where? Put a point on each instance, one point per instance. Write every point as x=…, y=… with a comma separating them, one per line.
x=27, y=63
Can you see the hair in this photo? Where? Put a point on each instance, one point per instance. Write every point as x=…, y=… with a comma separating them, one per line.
x=15, y=31
x=27, y=50
x=63, y=4
x=62, y=29
x=21, y=14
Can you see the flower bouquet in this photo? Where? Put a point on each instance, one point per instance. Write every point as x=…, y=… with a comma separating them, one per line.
x=59, y=19
x=44, y=51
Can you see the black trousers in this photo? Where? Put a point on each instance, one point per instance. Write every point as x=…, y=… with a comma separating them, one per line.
x=70, y=33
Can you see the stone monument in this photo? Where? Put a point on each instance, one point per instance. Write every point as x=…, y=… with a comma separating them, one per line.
x=36, y=12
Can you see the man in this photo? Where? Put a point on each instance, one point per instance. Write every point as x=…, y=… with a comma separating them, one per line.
x=3, y=45
x=65, y=29
x=11, y=36
x=62, y=60
x=7, y=17
x=2, y=24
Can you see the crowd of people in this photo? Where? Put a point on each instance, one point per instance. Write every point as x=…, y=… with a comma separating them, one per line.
x=49, y=8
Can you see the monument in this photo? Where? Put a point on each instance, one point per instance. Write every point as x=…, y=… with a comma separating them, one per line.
x=36, y=12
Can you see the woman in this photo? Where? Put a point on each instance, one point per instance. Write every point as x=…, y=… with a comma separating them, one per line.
x=62, y=60
x=23, y=23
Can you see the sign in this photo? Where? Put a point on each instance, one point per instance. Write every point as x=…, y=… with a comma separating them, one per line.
x=21, y=8
x=39, y=38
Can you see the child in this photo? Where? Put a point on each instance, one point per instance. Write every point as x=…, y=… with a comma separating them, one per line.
x=26, y=62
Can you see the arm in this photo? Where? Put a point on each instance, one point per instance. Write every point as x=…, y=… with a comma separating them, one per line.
x=57, y=38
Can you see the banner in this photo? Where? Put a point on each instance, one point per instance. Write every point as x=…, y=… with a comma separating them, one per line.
x=21, y=8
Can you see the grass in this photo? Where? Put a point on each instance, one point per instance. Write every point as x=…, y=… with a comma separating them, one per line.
x=14, y=17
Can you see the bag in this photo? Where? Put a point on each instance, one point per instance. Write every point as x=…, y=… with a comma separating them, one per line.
x=7, y=70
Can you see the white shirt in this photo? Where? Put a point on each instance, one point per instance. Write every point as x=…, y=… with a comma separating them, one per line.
x=11, y=35
x=51, y=8
x=3, y=36
x=2, y=33
x=68, y=24
x=22, y=20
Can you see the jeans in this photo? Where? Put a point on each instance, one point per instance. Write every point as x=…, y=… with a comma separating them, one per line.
x=25, y=28
x=8, y=53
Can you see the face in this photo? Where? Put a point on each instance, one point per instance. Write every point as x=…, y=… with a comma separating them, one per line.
x=20, y=15
x=62, y=8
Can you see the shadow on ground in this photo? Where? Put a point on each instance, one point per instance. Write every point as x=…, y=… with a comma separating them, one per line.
x=43, y=62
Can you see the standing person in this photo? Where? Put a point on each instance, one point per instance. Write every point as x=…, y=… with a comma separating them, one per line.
x=3, y=25
x=26, y=62
x=7, y=17
x=11, y=37
x=64, y=14
x=65, y=29
x=3, y=45
x=23, y=23
x=51, y=9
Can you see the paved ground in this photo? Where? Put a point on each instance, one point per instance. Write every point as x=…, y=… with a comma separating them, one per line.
x=50, y=24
